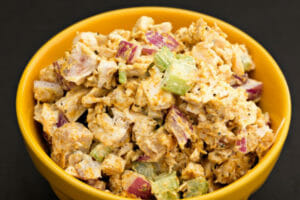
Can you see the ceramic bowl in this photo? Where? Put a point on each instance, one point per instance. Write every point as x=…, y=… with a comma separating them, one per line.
x=275, y=100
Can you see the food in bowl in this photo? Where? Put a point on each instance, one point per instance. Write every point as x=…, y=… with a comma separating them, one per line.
x=149, y=113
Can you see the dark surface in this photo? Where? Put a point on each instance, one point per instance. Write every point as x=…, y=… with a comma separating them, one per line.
x=26, y=25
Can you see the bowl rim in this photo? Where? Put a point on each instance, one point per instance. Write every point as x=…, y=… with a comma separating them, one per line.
x=79, y=185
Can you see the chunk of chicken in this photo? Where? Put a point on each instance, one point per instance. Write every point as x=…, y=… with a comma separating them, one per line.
x=153, y=144
x=106, y=52
x=202, y=52
x=47, y=91
x=48, y=74
x=100, y=185
x=69, y=138
x=143, y=24
x=233, y=168
x=165, y=27
x=175, y=159
x=71, y=104
x=140, y=99
x=118, y=35
x=88, y=169
x=208, y=168
x=219, y=156
x=57, y=67
x=179, y=126
x=143, y=126
x=195, y=33
x=225, y=103
x=120, y=98
x=106, y=71
x=136, y=69
x=113, y=165
x=241, y=61
x=157, y=145
x=93, y=96
x=192, y=170
x=48, y=116
x=265, y=143
x=80, y=63
x=83, y=166
x=88, y=38
x=158, y=99
x=115, y=183
x=222, y=47
x=111, y=131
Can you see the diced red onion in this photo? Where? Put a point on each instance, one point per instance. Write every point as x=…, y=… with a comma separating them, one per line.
x=238, y=77
x=181, y=136
x=177, y=124
x=170, y=42
x=183, y=117
x=143, y=157
x=132, y=53
x=155, y=38
x=57, y=68
x=65, y=84
x=61, y=120
x=253, y=88
x=140, y=188
x=161, y=40
x=56, y=65
x=127, y=51
x=240, y=80
x=124, y=46
x=254, y=93
x=148, y=51
x=242, y=145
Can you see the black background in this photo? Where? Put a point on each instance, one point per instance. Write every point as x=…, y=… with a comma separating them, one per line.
x=26, y=25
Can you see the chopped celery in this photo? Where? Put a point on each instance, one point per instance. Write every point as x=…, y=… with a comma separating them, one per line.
x=187, y=59
x=180, y=71
x=144, y=168
x=175, y=85
x=195, y=187
x=167, y=195
x=99, y=152
x=163, y=58
x=165, y=186
x=246, y=62
x=122, y=77
x=179, y=77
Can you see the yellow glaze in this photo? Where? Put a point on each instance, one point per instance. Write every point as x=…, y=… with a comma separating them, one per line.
x=275, y=100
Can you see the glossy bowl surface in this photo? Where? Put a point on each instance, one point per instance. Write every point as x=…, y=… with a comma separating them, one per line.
x=275, y=100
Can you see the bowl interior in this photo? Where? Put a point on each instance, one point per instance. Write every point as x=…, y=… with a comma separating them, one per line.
x=275, y=99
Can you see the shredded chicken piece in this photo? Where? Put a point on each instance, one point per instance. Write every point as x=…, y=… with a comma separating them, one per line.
x=47, y=91
x=69, y=138
x=113, y=165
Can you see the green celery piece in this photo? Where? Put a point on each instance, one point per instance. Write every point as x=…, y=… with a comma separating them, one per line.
x=168, y=195
x=163, y=58
x=122, y=77
x=187, y=59
x=179, y=77
x=175, y=85
x=99, y=152
x=145, y=168
x=196, y=187
x=246, y=62
x=165, y=186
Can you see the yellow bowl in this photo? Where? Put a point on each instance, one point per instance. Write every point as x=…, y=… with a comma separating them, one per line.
x=275, y=100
